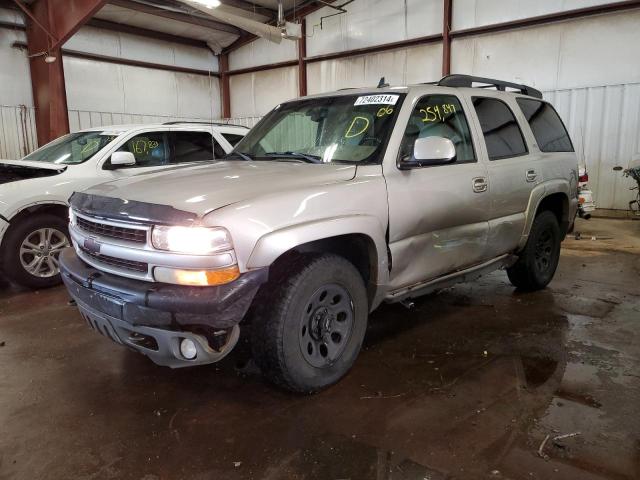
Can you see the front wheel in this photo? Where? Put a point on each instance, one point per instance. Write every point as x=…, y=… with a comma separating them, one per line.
x=31, y=248
x=309, y=328
x=539, y=259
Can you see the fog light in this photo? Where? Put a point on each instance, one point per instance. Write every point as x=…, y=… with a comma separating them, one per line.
x=188, y=349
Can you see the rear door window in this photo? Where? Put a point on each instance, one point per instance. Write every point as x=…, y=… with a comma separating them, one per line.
x=546, y=125
x=195, y=147
x=501, y=131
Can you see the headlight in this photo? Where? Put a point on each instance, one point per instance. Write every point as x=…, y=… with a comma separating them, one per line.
x=194, y=240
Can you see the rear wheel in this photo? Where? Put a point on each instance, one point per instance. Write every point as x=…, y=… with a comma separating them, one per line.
x=539, y=259
x=308, y=330
x=31, y=249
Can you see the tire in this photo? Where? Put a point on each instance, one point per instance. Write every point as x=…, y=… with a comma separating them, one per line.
x=539, y=259
x=310, y=321
x=21, y=247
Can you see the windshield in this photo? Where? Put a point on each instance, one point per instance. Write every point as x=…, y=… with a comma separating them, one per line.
x=350, y=128
x=73, y=148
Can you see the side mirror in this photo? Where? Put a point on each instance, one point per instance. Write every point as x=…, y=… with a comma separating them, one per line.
x=119, y=159
x=430, y=151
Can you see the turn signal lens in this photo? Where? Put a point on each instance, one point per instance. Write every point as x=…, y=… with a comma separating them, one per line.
x=198, y=278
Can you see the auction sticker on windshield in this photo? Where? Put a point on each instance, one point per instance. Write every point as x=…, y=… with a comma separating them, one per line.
x=377, y=100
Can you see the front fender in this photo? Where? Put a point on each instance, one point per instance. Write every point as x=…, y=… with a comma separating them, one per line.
x=272, y=245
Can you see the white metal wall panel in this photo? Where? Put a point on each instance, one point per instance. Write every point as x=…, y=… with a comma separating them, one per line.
x=399, y=67
x=599, y=50
x=101, y=87
x=254, y=94
x=133, y=47
x=263, y=52
x=604, y=123
x=17, y=131
x=15, y=76
x=372, y=22
x=475, y=13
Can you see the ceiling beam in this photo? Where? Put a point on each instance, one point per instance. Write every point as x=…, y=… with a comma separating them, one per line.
x=177, y=16
x=143, y=32
x=251, y=7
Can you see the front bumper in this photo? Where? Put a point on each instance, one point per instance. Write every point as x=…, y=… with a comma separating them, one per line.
x=153, y=318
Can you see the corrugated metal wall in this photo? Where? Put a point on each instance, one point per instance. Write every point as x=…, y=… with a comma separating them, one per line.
x=17, y=131
x=604, y=123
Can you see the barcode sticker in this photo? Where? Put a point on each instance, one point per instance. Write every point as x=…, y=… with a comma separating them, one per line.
x=377, y=100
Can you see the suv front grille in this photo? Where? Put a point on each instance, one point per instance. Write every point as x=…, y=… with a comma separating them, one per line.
x=121, y=233
x=118, y=262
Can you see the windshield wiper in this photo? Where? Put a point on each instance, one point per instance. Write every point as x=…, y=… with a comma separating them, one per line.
x=243, y=156
x=302, y=156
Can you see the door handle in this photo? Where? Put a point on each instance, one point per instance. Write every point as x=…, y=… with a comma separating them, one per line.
x=531, y=175
x=480, y=184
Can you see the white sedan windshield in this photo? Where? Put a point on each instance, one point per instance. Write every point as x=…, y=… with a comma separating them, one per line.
x=72, y=148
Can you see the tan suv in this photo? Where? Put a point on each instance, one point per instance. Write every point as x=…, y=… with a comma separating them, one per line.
x=331, y=205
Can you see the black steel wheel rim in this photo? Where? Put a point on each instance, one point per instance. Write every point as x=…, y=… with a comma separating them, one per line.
x=543, y=254
x=326, y=325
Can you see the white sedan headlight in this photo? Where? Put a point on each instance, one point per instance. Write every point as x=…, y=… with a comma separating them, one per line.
x=193, y=240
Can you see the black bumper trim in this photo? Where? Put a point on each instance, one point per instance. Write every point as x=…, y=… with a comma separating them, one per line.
x=141, y=303
x=166, y=343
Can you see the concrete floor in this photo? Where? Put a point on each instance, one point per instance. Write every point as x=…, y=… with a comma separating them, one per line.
x=466, y=385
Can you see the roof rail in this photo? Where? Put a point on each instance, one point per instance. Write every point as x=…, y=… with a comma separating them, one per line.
x=217, y=124
x=469, y=80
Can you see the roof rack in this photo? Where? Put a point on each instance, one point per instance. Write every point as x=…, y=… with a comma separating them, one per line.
x=217, y=124
x=469, y=80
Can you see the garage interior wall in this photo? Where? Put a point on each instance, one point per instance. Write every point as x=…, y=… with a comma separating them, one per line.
x=105, y=93
x=601, y=106
x=100, y=93
x=17, y=114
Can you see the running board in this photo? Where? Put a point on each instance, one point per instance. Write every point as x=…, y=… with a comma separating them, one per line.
x=461, y=276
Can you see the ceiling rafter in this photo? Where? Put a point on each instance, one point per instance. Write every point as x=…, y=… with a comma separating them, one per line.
x=177, y=16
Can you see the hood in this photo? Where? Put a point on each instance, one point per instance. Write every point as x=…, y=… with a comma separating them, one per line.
x=14, y=170
x=205, y=188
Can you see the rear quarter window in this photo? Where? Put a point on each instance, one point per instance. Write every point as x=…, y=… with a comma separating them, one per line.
x=546, y=125
x=232, y=138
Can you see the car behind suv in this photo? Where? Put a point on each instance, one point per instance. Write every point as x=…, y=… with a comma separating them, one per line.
x=331, y=205
x=34, y=191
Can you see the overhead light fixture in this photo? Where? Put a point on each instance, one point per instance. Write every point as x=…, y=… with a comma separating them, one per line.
x=48, y=58
x=208, y=3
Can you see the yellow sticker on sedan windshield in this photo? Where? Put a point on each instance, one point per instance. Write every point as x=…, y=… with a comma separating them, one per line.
x=377, y=100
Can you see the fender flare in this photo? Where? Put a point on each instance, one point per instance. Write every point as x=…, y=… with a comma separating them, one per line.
x=538, y=194
x=272, y=245
x=34, y=204
x=5, y=222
